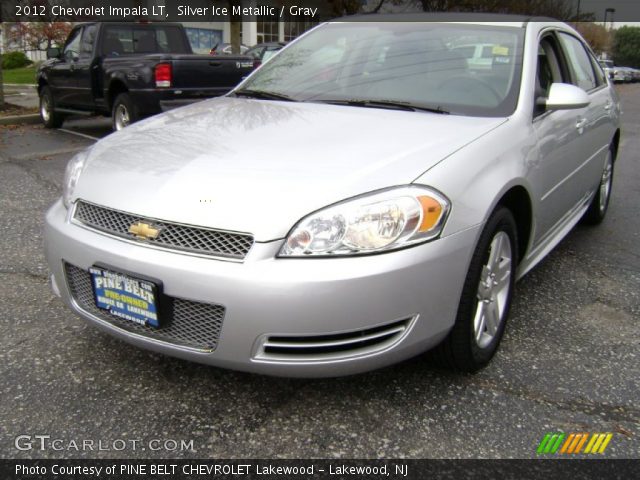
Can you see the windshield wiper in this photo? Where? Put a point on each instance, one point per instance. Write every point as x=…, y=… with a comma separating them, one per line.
x=395, y=104
x=263, y=94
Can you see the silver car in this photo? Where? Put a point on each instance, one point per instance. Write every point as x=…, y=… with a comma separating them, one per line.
x=365, y=196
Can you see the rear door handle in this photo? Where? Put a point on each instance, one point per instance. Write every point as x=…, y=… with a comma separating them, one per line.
x=607, y=106
x=215, y=64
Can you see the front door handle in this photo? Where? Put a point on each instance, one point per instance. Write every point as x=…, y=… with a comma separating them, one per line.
x=580, y=124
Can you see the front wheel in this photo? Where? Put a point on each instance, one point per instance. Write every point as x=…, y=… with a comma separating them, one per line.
x=48, y=114
x=123, y=112
x=486, y=297
x=600, y=203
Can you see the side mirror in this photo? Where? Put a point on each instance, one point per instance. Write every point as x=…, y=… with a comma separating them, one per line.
x=53, y=52
x=563, y=96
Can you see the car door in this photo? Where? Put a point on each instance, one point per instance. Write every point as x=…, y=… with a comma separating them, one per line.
x=84, y=70
x=587, y=74
x=61, y=79
x=563, y=145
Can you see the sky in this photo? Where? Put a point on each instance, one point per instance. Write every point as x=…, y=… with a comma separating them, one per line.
x=627, y=11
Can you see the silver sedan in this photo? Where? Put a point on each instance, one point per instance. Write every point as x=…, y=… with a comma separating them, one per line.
x=365, y=196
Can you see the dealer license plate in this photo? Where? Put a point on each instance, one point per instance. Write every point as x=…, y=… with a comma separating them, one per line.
x=129, y=298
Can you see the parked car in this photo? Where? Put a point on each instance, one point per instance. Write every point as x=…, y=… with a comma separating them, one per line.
x=226, y=49
x=622, y=74
x=478, y=55
x=130, y=71
x=607, y=66
x=342, y=210
x=264, y=51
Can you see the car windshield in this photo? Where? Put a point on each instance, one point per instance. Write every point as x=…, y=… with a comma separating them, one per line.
x=463, y=69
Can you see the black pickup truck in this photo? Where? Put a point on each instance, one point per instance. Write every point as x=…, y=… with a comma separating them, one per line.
x=130, y=71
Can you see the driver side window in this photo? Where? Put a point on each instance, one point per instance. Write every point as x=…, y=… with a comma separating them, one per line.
x=549, y=69
x=72, y=48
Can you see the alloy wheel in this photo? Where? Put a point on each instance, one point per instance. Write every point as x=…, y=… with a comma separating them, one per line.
x=493, y=290
x=605, y=184
x=45, y=108
x=122, y=117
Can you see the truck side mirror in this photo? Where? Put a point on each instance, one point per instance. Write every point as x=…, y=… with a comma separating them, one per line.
x=53, y=52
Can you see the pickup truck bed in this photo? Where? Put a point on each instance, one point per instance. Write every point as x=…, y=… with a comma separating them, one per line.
x=130, y=71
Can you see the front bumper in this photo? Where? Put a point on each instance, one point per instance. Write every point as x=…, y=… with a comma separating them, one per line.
x=268, y=299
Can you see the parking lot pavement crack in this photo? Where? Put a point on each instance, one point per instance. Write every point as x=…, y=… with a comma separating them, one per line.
x=35, y=175
x=48, y=153
x=27, y=273
x=618, y=413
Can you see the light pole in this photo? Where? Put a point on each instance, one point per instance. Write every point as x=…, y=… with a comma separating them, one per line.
x=606, y=12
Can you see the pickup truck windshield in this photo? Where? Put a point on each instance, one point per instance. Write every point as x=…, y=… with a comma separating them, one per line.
x=124, y=39
x=463, y=69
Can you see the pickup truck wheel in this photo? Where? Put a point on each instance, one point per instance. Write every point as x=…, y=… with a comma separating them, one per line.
x=124, y=112
x=48, y=114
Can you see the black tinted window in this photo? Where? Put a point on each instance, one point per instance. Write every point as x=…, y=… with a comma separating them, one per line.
x=72, y=48
x=123, y=39
x=88, y=39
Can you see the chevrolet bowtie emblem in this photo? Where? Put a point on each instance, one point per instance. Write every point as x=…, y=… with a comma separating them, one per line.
x=144, y=231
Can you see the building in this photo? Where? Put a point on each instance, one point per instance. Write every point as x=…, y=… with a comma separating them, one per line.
x=205, y=35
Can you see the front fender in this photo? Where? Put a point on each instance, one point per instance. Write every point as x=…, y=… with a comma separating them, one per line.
x=477, y=177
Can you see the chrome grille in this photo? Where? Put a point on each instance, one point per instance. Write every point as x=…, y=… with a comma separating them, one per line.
x=188, y=324
x=172, y=236
x=332, y=346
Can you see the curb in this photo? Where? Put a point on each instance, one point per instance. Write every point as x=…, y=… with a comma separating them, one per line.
x=28, y=85
x=21, y=119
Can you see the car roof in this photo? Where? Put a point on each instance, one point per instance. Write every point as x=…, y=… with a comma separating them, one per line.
x=497, y=19
x=155, y=24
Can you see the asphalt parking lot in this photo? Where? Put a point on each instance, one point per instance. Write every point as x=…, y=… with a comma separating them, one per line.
x=570, y=360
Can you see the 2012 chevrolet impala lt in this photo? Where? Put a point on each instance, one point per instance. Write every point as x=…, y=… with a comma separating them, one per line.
x=371, y=192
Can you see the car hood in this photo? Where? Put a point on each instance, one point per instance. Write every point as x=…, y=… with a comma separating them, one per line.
x=259, y=166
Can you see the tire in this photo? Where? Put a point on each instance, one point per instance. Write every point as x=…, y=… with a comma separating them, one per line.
x=50, y=118
x=600, y=203
x=486, y=295
x=123, y=113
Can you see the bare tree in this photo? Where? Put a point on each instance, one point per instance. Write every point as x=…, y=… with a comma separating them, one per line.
x=598, y=37
x=235, y=24
x=560, y=9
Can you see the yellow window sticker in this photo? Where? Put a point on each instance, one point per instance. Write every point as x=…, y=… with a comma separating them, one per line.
x=498, y=50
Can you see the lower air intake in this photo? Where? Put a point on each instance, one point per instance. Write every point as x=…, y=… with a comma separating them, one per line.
x=331, y=347
x=190, y=324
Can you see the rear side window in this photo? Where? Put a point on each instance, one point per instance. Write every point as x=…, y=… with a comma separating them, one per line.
x=578, y=58
x=123, y=39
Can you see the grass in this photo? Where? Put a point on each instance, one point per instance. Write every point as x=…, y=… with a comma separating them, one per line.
x=26, y=75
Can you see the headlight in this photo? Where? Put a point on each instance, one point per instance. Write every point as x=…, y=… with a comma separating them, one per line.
x=71, y=176
x=375, y=222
